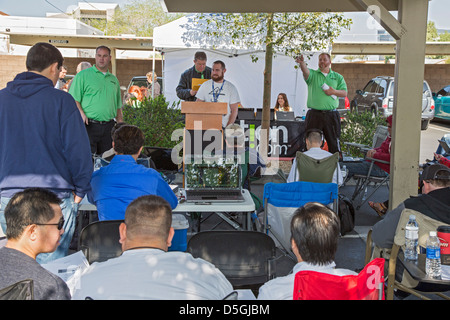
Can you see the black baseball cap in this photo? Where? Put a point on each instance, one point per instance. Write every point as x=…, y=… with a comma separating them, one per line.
x=434, y=172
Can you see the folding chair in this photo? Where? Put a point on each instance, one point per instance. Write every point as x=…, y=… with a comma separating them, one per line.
x=282, y=199
x=364, y=181
x=22, y=290
x=367, y=285
x=398, y=276
x=318, y=170
x=381, y=133
x=246, y=258
x=99, y=240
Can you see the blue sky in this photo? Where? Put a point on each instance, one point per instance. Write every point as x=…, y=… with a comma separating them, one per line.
x=438, y=9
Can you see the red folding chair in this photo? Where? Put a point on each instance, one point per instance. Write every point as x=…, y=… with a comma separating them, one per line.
x=367, y=285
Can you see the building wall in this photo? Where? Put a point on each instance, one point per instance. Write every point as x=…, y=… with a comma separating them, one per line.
x=126, y=68
x=356, y=75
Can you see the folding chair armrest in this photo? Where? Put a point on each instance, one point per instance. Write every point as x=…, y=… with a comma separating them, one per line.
x=368, y=247
x=356, y=145
x=377, y=160
x=391, y=272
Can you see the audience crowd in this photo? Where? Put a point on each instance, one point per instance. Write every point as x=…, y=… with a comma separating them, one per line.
x=40, y=199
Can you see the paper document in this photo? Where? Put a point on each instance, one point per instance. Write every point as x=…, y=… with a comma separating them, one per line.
x=326, y=87
x=196, y=83
x=68, y=268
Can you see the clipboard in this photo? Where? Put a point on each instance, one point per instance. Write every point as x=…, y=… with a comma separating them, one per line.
x=196, y=83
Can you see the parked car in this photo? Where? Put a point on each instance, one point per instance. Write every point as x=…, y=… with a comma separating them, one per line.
x=344, y=106
x=378, y=97
x=442, y=102
x=141, y=81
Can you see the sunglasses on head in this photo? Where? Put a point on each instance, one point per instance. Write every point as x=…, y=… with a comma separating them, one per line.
x=59, y=225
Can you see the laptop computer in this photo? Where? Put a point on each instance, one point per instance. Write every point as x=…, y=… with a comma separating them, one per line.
x=213, y=182
x=444, y=145
x=259, y=114
x=285, y=116
x=246, y=114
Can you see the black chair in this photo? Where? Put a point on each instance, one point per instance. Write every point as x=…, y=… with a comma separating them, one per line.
x=246, y=258
x=22, y=290
x=99, y=240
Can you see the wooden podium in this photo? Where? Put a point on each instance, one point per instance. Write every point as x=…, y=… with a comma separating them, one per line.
x=209, y=113
x=201, y=116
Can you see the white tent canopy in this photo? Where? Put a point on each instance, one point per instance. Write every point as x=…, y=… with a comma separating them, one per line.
x=172, y=40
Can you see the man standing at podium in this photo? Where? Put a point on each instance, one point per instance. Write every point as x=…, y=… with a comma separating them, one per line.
x=220, y=90
x=186, y=90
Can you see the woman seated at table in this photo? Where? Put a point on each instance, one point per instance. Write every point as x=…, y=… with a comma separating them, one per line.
x=282, y=103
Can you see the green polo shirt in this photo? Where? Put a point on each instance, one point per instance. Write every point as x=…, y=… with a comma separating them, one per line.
x=98, y=94
x=317, y=98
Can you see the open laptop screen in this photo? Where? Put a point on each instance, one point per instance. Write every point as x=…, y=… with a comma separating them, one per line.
x=207, y=174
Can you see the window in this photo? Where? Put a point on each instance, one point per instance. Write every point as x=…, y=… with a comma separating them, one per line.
x=445, y=92
x=391, y=89
x=382, y=85
x=371, y=86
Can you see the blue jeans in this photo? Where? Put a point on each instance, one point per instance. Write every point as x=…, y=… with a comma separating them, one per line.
x=362, y=168
x=69, y=210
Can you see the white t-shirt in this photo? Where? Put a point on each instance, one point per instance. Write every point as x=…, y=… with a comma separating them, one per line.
x=152, y=274
x=315, y=153
x=211, y=91
x=282, y=288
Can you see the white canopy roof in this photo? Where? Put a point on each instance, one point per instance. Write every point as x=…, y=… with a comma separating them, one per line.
x=180, y=39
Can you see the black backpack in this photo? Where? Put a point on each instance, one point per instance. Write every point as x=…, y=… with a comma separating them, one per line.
x=346, y=214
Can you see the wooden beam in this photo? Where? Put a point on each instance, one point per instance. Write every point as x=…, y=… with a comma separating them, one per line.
x=83, y=42
x=382, y=15
x=239, y=6
x=409, y=74
x=385, y=48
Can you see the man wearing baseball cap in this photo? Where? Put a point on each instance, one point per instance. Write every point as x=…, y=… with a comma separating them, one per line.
x=434, y=202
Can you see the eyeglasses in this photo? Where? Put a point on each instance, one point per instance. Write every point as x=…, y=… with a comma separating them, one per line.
x=59, y=225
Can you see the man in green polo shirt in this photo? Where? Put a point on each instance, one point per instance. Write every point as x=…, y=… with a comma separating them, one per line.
x=324, y=88
x=97, y=94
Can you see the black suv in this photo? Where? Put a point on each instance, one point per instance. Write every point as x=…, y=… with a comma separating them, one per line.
x=378, y=97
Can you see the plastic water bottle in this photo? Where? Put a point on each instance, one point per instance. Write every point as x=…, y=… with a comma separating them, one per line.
x=411, y=238
x=97, y=164
x=433, y=261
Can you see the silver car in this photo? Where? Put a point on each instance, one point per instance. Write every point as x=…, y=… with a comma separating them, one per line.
x=378, y=97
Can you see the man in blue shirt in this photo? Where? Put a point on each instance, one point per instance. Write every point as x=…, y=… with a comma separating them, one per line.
x=115, y=186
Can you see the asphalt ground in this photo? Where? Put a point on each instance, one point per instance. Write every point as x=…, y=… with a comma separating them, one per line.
x=351, y=247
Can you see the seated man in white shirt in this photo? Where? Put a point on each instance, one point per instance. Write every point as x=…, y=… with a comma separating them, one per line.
x=314, y=140
x=145, y=270
x=315, y=232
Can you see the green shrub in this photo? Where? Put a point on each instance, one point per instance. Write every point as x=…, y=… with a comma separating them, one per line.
x=359, y=128
x=156, y=119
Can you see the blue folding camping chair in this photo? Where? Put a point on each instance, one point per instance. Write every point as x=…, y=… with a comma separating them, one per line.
x=282, y=199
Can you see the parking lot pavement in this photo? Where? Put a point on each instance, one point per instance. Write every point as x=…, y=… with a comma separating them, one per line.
x=352, y=246
x=429, y=139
